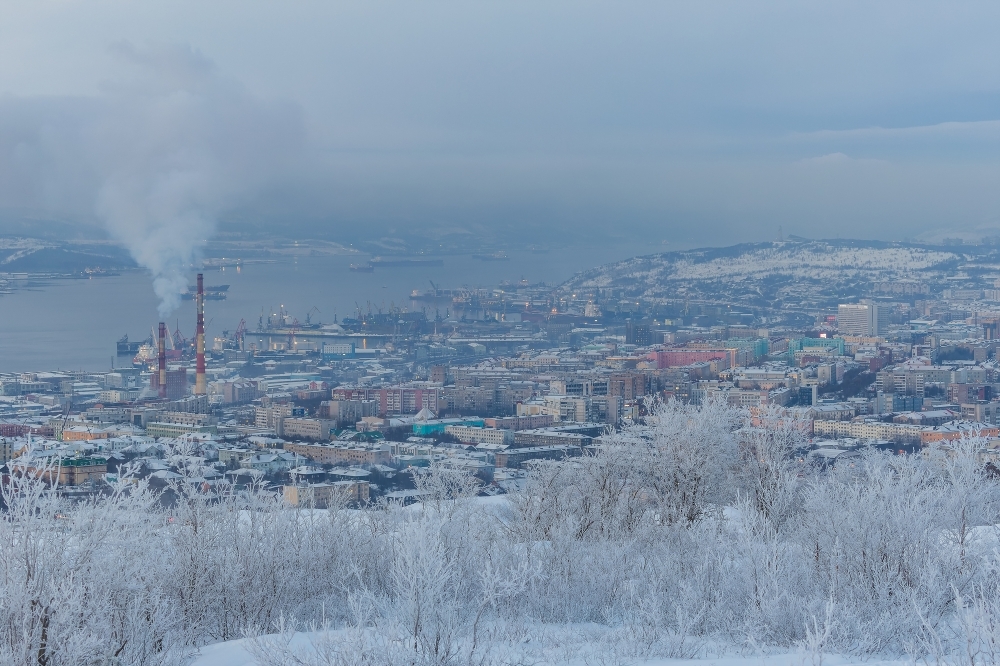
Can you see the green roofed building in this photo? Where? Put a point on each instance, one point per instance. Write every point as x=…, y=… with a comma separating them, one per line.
x=806, y=343
x=757, y=346
x=425, y=428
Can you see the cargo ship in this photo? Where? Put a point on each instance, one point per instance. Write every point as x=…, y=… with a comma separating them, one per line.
x=494, y=256
x=146, y=354
x=221, y=262
x=437, y=295
x=126, y=348
x=403, y=261
x=217, y=293
x=362, y=268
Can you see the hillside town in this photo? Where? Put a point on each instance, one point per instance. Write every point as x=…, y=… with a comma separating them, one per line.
x=487, y=380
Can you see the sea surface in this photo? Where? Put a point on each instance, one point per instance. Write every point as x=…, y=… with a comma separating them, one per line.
x=74, y=324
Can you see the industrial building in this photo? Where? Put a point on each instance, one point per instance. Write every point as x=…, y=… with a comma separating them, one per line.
x=516, y=457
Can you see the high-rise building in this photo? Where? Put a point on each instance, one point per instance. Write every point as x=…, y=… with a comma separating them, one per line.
x=866, y=318
x=637, y=334
x=881, y=319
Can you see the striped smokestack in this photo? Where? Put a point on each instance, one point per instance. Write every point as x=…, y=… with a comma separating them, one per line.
x=199, y=378
x=162, y=358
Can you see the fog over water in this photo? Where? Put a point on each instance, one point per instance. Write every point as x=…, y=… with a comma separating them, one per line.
x=74, y=324
x=716, y=122
x=473, y=127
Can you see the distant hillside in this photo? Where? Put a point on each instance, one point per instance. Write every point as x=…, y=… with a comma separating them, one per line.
x=765, y=273
x=28, y=255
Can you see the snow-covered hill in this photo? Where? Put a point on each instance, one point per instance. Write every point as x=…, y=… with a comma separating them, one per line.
x=764, y=273
x=813, y=260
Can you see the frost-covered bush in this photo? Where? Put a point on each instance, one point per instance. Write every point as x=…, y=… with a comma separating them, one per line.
x=697, y=530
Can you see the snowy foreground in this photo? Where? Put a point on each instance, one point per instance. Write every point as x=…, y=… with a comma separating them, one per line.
x=238, y=653
x=701, y=535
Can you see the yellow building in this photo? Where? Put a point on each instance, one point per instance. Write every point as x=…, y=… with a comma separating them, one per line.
x=70, y=471
x=340, y=454
x=324, y=495
x=83, y=433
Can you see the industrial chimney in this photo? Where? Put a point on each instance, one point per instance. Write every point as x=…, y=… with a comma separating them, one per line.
x=162, y=357
x=199, y=378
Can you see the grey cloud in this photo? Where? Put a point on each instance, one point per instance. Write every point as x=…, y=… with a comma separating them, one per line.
x=156, y=157
x=711, y=122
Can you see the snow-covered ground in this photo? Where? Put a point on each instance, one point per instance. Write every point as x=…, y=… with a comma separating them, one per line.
x=230, y=653
x=237, y=653
x=671, y=542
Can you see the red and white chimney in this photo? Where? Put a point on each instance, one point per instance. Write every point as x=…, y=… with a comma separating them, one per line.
x=199, y=378
x=162, y=358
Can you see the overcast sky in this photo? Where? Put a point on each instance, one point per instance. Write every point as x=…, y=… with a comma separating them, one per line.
x=693, y=122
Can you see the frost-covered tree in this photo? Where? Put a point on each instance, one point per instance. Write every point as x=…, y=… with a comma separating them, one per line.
x=699, y=527
x=768, y=470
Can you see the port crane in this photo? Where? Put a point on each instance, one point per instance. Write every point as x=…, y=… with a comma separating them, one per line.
x=179, y=341
x=69, y=408
x=240, y=334
x=236, y=339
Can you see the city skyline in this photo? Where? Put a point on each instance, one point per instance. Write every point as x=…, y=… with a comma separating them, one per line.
x=501, y=333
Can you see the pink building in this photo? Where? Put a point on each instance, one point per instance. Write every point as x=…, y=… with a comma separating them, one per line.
x=674, y=358
x=396, y=400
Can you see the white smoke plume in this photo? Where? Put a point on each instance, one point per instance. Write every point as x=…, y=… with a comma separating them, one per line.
x=157, y=156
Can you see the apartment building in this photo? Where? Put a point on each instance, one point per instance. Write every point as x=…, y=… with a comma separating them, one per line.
x=325, y=495
x=342, y=454
x=474, y=435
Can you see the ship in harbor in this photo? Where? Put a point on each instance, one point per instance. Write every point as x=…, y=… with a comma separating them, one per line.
x=129, y=348
x=436, y=293
x=145, y=354
x=221, y=262
x=493, y=256
x=216, y=293
x=405, y=261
